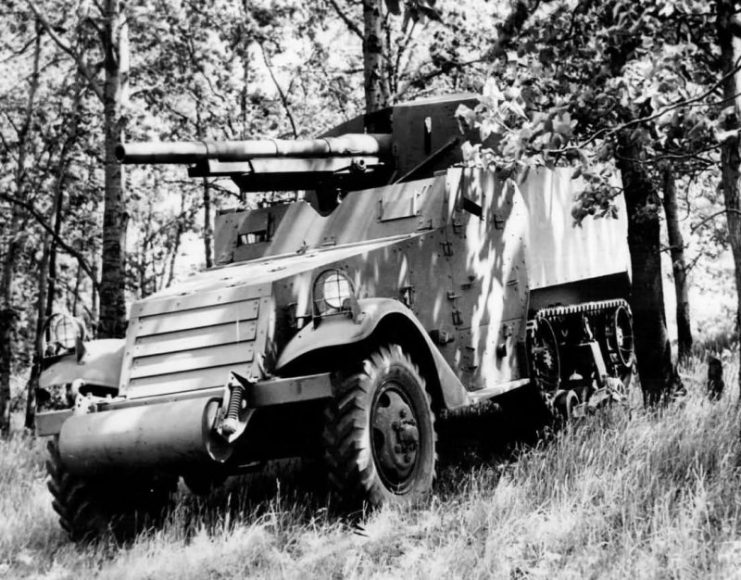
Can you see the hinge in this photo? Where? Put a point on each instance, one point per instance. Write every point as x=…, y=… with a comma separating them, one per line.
x=407, y=296
x=424, y=223
x=457, y=317
x=499, y=221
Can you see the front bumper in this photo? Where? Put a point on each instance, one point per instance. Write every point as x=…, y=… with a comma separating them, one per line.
x=176, y=429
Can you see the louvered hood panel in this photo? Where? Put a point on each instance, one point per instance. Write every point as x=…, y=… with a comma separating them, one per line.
x=190, y=342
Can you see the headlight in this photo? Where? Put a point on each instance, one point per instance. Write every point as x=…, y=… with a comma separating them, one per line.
x=333, y=292
x=63, y=333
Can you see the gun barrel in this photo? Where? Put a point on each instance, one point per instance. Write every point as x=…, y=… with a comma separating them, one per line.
x=186, y=152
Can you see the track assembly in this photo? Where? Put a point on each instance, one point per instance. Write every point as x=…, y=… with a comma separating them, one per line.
x=581, y=356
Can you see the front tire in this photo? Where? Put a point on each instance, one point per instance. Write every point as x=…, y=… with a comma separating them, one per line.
x=379, y=436
x=90, y=509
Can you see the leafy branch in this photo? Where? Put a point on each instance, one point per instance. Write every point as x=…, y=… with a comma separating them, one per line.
x=41, y=220
x=59, y=41
x=354, y=28
x=604, y=133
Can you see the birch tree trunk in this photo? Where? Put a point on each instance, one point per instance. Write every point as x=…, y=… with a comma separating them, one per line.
x=679, y=265
x=377, y=92
x=116, y=63
x=727, y=25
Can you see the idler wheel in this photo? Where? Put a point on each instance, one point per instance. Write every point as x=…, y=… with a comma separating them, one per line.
x=543, y=356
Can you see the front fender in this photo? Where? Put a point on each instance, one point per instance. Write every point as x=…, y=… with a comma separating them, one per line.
x=99, y=365
x=337, y=331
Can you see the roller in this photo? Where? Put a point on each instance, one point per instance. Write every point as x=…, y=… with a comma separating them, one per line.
x=160, y=435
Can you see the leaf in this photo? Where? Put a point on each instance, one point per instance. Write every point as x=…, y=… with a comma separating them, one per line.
x=724, y=136
x=491, y=91
x=466, y=116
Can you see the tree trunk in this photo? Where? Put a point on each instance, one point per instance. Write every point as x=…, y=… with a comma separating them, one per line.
x=653, y=352
x=8, y=312
x=207, y=231
x=377, y=93
x=679, y=265
x=730, y=52
x=179, y=231
x=48, y=266
x=112, y=282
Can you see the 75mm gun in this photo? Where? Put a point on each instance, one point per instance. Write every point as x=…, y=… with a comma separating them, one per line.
x=344, y=162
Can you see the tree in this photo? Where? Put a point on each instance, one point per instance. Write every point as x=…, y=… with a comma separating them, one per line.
x=112, y=93
x=377, y=92
x=679, y=264
x=727, y=26
x=8, y=314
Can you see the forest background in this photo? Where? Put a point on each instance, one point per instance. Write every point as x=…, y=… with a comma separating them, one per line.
x=642, y=99
x=645, y=93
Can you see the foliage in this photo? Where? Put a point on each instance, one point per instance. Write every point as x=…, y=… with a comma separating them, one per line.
x=582, y=74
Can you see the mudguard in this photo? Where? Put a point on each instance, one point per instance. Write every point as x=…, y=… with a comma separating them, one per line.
x=100, y=365
x=338, y=331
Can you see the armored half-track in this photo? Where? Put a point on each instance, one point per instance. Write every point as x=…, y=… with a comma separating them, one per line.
x=394, y=285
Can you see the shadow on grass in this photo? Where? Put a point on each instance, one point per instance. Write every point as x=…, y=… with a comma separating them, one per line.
x=296, y=492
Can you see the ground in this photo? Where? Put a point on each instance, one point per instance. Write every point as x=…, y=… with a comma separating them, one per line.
x=625, y=494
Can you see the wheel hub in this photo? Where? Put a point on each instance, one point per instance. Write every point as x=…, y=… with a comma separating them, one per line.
x=395, y=436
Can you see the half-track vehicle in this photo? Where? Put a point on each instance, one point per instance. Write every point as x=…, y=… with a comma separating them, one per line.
x=394, y=286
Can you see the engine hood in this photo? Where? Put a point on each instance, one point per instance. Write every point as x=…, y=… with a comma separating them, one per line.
x=269, y=270
x=191, y=336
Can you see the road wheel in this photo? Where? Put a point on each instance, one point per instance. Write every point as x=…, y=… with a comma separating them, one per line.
x=544, y=357
x=90, y=509
x=379, y=435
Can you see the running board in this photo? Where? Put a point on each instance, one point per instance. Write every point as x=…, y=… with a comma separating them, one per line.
x=490, y=392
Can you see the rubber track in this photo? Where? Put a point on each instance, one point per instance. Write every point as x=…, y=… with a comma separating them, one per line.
x=597, y=307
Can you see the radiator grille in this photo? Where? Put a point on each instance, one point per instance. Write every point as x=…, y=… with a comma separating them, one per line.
x=188, y=343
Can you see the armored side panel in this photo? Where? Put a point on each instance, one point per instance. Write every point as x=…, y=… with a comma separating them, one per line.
x=560, y=252
x=568, y=263
x=486, y=238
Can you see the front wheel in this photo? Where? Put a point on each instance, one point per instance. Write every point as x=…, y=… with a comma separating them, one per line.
x=379, y=435
x=89, y=509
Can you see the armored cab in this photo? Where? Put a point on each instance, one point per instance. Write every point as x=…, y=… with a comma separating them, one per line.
x=394, y=285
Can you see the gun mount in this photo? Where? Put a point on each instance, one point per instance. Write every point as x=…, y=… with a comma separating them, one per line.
x=407, y=141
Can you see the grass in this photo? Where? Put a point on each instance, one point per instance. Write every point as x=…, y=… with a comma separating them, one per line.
x=624, y=494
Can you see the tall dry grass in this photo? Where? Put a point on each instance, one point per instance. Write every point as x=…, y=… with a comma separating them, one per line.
x=627, y=494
